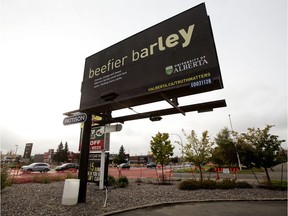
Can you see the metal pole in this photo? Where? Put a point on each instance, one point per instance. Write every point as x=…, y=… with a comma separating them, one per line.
x=182, y=152
x=15, y=163
x=237, y=154
x=16, y=152
x=83, y=169
x=281, y=176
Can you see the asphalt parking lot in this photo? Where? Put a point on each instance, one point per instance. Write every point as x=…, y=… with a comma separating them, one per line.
x=225, y=208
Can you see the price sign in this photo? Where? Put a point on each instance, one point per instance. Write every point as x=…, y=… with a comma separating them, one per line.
x=94, y=171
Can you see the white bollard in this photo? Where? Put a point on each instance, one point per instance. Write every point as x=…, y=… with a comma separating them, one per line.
x=70, y=192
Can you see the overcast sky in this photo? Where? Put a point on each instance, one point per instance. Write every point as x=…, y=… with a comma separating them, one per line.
x=44, y=45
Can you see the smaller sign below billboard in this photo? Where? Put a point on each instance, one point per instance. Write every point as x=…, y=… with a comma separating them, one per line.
x=94, y=164
x=75, y=119
x=99, y=141
x=94, y=171
x=111, y=128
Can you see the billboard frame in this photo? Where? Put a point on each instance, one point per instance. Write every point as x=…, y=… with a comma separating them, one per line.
x=101, y=91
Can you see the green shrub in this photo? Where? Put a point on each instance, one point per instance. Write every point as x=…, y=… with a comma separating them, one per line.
x=57, y=178
x=70, y=176
x=226, y=184
x=122, y=182
x=138, y=181
x=111, y=180
x=189, y=184
x=4, y=177
x=275, y=185
x=46, y=180
x=208, y=184
x=42, y=179
x=243, y=185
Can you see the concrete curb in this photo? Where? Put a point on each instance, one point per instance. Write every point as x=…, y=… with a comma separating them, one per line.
x=189, y=201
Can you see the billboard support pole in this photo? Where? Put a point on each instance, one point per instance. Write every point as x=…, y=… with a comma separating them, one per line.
x=83, y=169
x=172, y=103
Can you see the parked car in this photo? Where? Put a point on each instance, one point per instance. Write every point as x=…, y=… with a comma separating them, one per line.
x=124, y=166
x=67, y=166
x=151, y=165
x=40, y=167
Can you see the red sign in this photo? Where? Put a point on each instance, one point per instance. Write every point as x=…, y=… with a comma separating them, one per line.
x=97, y=139
x=96, y=145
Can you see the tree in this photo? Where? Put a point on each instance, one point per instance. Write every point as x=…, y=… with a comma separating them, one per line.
x=267, y=147
x=247, y=153
x=162, y=149
x=174, y=159
x=57, y=155
x=65, y=153
x=197, y=151
x=61, y=155
x=225, y=152
x=120, y=158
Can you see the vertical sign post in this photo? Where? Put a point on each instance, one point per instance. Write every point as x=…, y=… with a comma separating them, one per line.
x=83, y=169
x=102, y=170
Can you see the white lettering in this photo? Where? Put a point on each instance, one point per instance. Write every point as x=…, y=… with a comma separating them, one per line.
x=186, y=35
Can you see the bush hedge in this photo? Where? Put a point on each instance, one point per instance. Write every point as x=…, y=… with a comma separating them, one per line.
x=111, y=180
x=122, y=181
x=275, y=185
x=4, y=177
x=192, y=184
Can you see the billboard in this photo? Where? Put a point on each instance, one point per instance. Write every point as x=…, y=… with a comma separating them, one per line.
x=28, y=150
x=176, y=57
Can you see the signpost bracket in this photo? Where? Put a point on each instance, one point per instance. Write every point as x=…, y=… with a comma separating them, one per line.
x=173, y=103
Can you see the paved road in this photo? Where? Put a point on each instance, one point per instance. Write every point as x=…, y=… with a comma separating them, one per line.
x=238, y=208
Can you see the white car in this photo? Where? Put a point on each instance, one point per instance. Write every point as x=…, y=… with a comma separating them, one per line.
x=40, y=167
x=124, y=166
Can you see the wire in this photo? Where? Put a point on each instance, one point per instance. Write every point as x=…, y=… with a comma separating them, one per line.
x=127, y=107
x=105, y=202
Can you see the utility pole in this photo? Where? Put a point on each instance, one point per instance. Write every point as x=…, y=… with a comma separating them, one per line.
x=182, y=152
x=238, y=158
x=16, y=153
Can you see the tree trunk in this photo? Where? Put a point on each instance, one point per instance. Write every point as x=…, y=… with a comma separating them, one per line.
x=163, y=179
x=267, y=175
x=201, y=176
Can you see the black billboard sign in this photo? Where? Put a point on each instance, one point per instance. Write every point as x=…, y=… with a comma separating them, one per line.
x=176, y=57
x=28, y=150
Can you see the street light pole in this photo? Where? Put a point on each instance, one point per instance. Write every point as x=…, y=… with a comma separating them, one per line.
x=238, y=158
x=182, y=152
x=16, y=152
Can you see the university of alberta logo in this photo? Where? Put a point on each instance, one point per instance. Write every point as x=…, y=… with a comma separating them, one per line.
x=186, y=65
x=169, y=70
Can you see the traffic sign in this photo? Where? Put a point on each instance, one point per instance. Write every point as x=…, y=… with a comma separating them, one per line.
x=75, y=119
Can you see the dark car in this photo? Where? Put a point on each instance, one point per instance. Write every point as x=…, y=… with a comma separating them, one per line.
x=124, y=166
x=67, y=166
x=151, y=165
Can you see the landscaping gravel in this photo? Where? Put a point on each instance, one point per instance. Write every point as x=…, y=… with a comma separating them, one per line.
x=46, y=199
